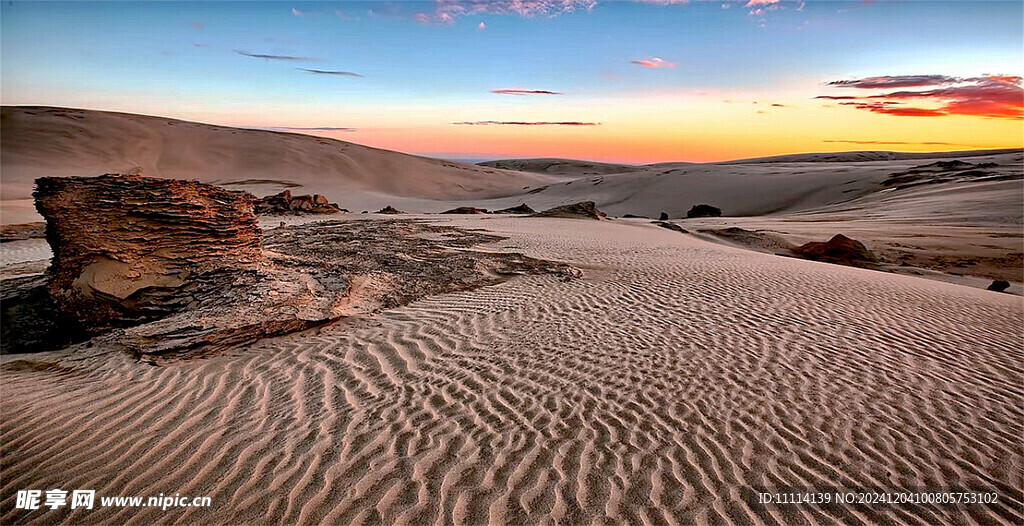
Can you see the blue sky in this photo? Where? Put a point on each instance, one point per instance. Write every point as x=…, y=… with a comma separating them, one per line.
x=425, y=65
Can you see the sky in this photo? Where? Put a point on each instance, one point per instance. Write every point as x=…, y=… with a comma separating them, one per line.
x=624, y=81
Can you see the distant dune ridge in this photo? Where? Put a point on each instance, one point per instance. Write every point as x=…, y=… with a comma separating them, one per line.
x=42, y=141
x=973, y=200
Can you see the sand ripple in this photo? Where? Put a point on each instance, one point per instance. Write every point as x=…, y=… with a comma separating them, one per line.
x=657, y=390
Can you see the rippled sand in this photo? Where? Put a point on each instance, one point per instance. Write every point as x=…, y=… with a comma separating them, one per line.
x=673, y=377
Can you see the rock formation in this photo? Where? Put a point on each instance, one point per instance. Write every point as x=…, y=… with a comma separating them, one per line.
x=466, y=210
x=663, y=216
x=389, y=210
x=840, y=250
x=999, y=285
x=581, y=210
x=128, y=249
x=22, y=231
x=285, y=203
x=704, y=211
x=521, y=209
x=169, y=267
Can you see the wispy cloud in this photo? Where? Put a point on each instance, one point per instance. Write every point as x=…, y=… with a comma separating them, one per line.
x=924, y=143
x=315, y=128
x=331, y=72
x=201, y=44
x=898, y=81
x=273, y=57
x=653, y=62
x=481, y=26
x=447, y=11
x=520, y=123
x=296, y=12
x=518, y=91
x=994, y=96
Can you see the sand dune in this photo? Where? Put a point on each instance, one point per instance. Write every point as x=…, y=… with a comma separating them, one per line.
x=564, y=167
x=662, y=387
x=42, y=141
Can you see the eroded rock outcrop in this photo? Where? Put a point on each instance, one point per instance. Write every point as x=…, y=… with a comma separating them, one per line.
x=22, y=231
x=389, y=210
x=840, y=250
x=128, y=249
x=170, y=268
x=285, y=203
x=581, y=210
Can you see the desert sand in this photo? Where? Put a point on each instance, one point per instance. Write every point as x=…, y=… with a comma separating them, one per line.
x=678, y=375
x=674, y=377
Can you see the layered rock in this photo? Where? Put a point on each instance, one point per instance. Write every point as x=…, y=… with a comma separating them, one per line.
x=285, y=203
x=167, y=267
x=581, y=210
x=128, y=249
x=22, y=231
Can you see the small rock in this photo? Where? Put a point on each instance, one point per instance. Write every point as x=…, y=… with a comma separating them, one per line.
x=703, y=211
x=521, y=209
x=999, y=285
x=840, y=250
x=664, y=216
x=466, y=210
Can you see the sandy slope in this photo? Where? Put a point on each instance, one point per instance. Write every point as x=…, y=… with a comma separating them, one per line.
x=676, y=374
x=39, y=141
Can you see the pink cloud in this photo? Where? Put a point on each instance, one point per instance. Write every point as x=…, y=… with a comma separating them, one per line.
x=197, y=25
x=994, y=96
x=653, y=62
x=481, y=26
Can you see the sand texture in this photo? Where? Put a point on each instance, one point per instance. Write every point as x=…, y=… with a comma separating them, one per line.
x=658, y=389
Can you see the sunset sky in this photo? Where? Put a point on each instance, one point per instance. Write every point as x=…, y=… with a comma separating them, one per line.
x=640, y=81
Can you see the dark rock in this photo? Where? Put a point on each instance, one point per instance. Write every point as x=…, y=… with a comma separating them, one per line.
x=30, y=321
x=840, y=250
x=633, y=216
x=22, y=231
x=664, y=216
x=704, y=211
x=389, y=210
x=581, y=210
x=466, y=210
x=285, y=203
x=999, y=285
x=521, y=209
x=671, y=226
x=128, y=249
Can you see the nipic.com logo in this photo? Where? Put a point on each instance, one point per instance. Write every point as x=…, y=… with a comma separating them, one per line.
x=34, y=499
